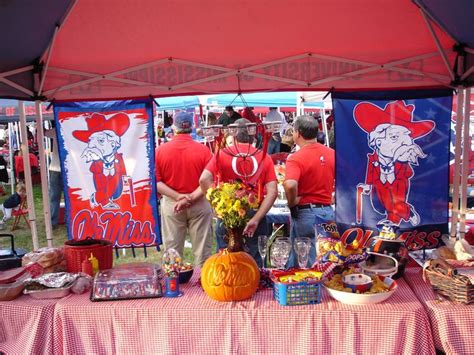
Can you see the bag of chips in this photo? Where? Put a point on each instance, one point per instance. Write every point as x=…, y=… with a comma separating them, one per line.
x=330, y=248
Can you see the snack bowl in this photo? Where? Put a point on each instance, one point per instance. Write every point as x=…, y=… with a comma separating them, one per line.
x=357, y=282
x=185, y=275
x=364, y=298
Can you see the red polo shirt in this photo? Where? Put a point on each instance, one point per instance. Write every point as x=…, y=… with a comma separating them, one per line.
x=180, y=162
x=233, y=168
x=313, y=167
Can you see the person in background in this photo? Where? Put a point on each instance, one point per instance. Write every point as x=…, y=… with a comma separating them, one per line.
x=211, y=119
x=55, y=177
x=13, y=202
x=309, y=183
x=179, y=164
x=274, y=116
x=232, y=168
x=229, y=116
x=19, y=168
x=287, y=141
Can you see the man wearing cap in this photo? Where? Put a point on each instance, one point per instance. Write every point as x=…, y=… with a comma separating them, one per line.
x=179, y=163
x=229, y=116
x=309, y=183
x=242, y=162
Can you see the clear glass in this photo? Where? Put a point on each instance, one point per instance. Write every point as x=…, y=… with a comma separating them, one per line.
x=262, y=247
x=302, y=246
x=280, y=252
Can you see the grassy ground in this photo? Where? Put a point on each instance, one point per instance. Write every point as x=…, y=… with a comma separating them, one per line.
x=23, y=236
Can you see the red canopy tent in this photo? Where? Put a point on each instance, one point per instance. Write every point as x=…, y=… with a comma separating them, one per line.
x=96, y=50
x=119, y=49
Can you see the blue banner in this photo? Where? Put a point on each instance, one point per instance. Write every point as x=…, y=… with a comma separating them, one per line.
x=392, y=164
x=107, y=157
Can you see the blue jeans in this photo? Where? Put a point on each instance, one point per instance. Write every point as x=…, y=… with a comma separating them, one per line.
x=303, y=226
x=250, y=244
x=55, y=190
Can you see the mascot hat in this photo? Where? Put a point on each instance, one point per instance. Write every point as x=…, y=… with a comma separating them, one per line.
x=368, y=116
x=97, y=122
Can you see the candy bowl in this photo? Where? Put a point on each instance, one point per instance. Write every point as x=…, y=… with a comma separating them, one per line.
x=348, y=297
x=358, y=283
x=185, y=275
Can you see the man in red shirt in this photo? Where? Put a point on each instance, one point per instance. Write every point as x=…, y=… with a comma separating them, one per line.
x=241, y=161
x=309, y=183
x=179, y=164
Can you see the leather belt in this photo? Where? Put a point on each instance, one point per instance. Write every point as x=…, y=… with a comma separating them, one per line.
x=312, y=205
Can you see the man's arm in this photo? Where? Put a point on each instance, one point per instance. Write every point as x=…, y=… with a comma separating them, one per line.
x=267, y=203
x=167, y=191
x=206, y=181
x=291, y=191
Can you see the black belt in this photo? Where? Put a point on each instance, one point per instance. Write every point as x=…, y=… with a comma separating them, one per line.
x=312, y=205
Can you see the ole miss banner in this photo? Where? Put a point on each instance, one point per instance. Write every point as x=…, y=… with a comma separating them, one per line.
x=106, y=151
x=392, y=163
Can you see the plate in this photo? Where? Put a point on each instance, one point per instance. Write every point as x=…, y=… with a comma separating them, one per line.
x=364, y=298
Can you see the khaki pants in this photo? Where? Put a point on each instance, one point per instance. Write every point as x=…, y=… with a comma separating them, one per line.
x=196, y=219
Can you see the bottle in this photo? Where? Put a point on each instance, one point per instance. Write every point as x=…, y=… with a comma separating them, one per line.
x=95, y=264
x=86, y=267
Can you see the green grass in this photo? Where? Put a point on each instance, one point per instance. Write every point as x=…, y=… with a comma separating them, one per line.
x=23, y=235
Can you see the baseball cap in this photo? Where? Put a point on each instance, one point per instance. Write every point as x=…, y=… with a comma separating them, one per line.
x=183, y=120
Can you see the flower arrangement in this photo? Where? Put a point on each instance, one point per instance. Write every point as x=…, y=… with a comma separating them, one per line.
x=231, y=201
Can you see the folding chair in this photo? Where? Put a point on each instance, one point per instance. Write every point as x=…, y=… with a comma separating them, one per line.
x=22, y=211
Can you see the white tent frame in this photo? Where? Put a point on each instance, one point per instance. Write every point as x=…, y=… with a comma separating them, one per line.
x=249, y=71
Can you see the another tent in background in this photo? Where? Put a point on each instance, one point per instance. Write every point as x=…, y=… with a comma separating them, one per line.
x=177, y=103
x=261, y=99
x=9, y=111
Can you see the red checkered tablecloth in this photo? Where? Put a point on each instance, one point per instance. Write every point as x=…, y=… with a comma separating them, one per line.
x=26, y=326
x=452, y=323
x=194, y=323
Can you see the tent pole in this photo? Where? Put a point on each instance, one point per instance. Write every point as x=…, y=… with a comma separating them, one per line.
x=16, y=86
x=438, y=45
x=457, y=158
x=16, y=71
x=44, y=174
x=467, y=73
x=17, y=134
x=10, y=152
x=28, y=180
x=465, y=162
x=325, y=127
x=51, y=47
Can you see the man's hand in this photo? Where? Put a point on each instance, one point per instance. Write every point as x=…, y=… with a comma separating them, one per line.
x=251, y=227
x=182, y=202
x=183, y=197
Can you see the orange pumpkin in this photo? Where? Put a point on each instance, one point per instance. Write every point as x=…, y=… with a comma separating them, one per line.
x=227, y=276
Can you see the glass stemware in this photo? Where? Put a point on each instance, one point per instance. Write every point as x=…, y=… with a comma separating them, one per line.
x=280, y=252
x=262, y=247
x=302, y=247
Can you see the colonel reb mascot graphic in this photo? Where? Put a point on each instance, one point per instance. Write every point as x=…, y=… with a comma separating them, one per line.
x=391, y=135
x=103, y=138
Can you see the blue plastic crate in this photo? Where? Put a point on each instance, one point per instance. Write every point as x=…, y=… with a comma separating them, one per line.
x=296, y=294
